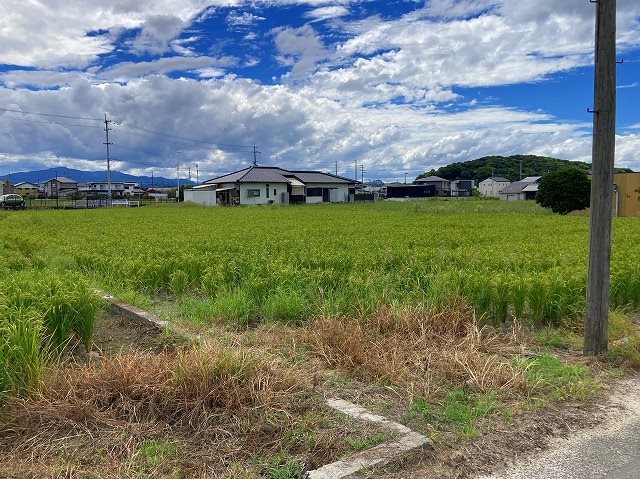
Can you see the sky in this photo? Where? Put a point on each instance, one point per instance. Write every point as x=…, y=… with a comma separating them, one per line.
x=398, y=86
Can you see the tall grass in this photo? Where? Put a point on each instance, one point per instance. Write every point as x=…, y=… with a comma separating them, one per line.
x=285, y=264
x=40, y=313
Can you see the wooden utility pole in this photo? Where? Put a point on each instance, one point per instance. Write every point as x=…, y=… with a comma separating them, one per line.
x=604, y=126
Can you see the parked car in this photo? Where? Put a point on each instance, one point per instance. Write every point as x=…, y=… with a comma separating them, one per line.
x=11, y=201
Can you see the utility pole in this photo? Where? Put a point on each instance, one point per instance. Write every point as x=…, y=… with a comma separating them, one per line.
x=362, y=172
x=255, y=155
x=355, y=164
x=405, y=178
x=178, y=176
x=106, y=132
x=197, y=179
x=520, y=170
x=336, y=167
x=603, y=152
x=189, y=174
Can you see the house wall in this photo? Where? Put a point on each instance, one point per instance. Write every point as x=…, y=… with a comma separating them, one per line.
x=491, y=187
x=513, y=196
x=201, y=197
x=27, y=191
x=275, y=197
x=340, y=193
x=628, y=186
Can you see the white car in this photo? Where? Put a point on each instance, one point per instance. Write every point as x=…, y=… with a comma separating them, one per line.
x=11, y=201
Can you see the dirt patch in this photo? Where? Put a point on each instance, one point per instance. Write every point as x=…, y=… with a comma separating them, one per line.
x=119, y=334
x=501, y=444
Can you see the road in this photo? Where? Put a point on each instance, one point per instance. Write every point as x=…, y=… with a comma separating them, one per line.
x=608, y=451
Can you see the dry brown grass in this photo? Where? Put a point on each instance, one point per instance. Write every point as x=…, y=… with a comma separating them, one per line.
x=213, y=406
x=420, y=350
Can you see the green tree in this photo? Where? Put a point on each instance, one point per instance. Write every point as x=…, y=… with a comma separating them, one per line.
x=565, y=190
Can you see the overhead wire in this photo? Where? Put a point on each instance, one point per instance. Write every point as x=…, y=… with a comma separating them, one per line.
x=50, y=114
x=31, y=120
x=181, y=138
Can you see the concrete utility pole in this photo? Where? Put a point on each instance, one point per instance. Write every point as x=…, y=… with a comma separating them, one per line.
x=106, y=132
x=178, y=176
x=604, y=128
x=255, y=155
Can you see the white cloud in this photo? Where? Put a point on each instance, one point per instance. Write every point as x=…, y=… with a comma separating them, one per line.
x=293, y=128
x=243, y=19
x=40, y=78
x=301, y=48
x=129, y=70
x=327, y=13
x=53, y=33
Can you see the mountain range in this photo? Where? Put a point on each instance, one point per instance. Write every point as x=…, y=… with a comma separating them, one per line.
x=40, y=176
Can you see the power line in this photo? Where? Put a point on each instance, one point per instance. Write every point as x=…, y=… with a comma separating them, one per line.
x=31, y=120
x=183, y=138
x=118, y=145
x=51, y=114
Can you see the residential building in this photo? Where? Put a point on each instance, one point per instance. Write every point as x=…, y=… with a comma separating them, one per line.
x=101, y=188
x=491, y=186
x=60, y=187
x=524, y=189
x=261, y=185
x=442, y=187
x=627, y=194
x=26, y=189
x=463, y=187
x=132, y=190
x=404, y=191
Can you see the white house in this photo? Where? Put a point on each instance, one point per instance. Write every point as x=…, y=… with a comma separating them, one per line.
x=101, y=188
x=262, y=185
x=492, y=186
x=132, y=190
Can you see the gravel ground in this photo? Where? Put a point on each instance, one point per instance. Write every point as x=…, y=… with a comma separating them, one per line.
x=610, y=450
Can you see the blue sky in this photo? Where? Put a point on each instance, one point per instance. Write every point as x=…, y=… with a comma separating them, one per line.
x=399, y=85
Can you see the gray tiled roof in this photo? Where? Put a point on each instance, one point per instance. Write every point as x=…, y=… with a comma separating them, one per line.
x=531, y=179
x=514, y=188
x=62, y=179
x=499, y=179
x=431, y=179
x=266, y=174
x=319, y=177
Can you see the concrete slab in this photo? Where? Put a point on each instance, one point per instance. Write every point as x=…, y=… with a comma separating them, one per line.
x=378, y=455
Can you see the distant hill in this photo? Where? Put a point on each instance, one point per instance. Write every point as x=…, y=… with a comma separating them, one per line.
x=507, y=167
x=85, y=176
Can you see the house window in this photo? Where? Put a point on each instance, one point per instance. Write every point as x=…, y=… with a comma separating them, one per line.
x=253, y=193
x=275, y=192
x=314, y=191
x=267, y=189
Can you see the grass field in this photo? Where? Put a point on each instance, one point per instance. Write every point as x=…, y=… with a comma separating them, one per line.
x=456, y=306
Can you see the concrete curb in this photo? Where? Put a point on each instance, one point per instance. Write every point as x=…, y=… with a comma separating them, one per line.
x=376, y=456
x=144, y=317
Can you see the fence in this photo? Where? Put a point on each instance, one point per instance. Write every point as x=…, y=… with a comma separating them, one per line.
x=65, y=203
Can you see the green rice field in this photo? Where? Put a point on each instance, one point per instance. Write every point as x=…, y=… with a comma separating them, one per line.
x=244, y=266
